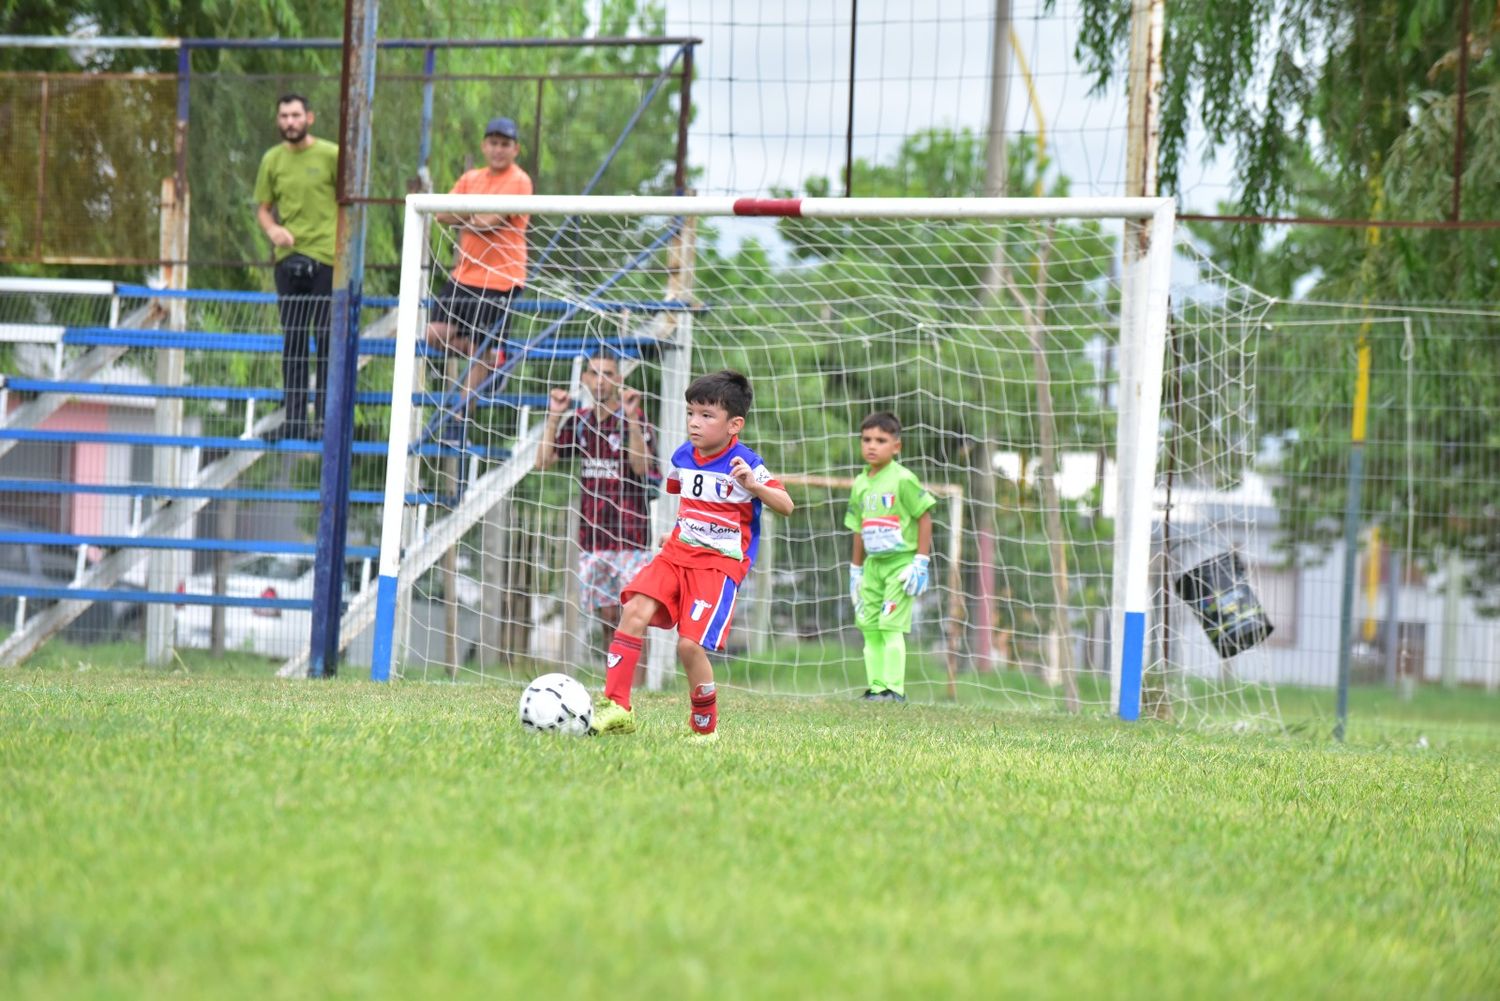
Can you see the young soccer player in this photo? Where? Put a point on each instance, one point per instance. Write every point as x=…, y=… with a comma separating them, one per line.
x=691, y=583
x=889, y=516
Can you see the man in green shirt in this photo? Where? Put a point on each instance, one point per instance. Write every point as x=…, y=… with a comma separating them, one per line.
x=298, y=210
x=889, y=516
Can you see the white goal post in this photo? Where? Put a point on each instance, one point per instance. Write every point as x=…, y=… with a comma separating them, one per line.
x=1143, y=289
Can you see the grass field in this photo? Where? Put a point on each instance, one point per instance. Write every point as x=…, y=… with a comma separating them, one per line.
x=188, y=836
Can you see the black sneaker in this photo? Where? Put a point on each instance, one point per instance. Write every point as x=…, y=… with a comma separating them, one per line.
x=870, y=695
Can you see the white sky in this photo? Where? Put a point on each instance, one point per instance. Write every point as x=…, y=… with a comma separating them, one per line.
x=771, y=90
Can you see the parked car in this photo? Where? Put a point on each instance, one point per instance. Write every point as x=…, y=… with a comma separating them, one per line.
x=35, y=565
x=270, y=632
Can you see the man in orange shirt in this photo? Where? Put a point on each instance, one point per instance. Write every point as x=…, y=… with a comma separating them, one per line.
x=474, y=304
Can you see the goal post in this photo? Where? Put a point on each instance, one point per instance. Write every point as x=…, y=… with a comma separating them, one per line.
x=410, y=311
x=1145, y=291
x=610, y=233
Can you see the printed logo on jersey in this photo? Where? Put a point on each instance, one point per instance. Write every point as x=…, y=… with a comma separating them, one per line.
x=889, y=608
x=882, y=534
x=595, y=468
x=699, y=530
x=887, y=501
x=723, y=489
x=699, y=607
x=614, y=441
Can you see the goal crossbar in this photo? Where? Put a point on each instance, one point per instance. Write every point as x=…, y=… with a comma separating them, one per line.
x=805, y=208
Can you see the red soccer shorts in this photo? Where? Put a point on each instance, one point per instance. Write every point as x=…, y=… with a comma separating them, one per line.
x=698, y=602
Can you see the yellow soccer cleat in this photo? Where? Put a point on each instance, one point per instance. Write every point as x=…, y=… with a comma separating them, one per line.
x=610, y=717
x=694, y=737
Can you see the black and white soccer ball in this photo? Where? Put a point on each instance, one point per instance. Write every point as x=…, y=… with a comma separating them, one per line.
x=555, y=703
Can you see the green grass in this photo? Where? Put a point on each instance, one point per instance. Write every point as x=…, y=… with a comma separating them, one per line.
x=187, y=836
x=126, y=656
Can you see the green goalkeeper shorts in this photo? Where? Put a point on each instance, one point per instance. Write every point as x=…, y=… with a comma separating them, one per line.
x=884, y=603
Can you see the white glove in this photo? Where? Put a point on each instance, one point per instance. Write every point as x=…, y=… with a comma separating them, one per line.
x=856, y=580
x=914, y=577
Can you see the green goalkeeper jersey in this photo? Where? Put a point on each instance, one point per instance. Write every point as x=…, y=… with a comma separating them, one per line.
x=884, y=510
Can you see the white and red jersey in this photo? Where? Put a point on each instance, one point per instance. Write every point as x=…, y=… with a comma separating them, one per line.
x=718, y=521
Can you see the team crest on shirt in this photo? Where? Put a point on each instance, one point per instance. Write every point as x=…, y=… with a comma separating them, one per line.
x=723, y=489
x=887, y=500
x=614, y=441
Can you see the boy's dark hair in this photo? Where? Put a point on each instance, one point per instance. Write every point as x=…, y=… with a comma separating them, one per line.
x=726, y=389
x=885, y=421
x=289, y=98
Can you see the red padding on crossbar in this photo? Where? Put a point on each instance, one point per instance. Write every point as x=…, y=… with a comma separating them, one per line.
x=769, y=206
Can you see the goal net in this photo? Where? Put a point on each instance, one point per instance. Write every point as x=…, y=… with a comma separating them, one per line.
x=1086, y=443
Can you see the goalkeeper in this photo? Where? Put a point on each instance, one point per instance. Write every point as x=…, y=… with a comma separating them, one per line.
x=889, y=516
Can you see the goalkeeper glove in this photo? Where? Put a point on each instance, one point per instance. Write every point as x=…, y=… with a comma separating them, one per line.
x=914, y=577
x=856, y=581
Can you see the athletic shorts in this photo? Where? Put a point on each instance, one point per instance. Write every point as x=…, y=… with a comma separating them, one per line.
x=884, y=603
x=478, y=313
x=604, y=573
x=699, y=602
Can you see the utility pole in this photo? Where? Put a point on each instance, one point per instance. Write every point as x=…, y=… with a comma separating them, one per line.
x=985, y=488
x=996, y=166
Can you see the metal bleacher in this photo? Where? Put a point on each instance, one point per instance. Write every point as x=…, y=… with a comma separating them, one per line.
x=84, y=355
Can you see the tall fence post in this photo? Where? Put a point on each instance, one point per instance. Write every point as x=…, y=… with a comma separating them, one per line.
x=166, y=567
x=358, y=95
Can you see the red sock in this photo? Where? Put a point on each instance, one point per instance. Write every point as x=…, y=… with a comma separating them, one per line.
x=624, y=651
x=705, y=713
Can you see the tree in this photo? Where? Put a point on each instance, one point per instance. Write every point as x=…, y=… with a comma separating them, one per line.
x=111, y=140
x=1286, y=83
x=1354, y=114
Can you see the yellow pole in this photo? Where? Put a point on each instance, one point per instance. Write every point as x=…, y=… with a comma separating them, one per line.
x=1373, y=563
x=1036, y=108
x=1356, y=466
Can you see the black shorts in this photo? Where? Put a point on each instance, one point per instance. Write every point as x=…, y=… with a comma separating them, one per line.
x=476, y=312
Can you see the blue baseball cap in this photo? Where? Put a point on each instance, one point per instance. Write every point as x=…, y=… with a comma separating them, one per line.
x=502, y=127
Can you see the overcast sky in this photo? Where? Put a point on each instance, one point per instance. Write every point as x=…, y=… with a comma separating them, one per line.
x=771, y=90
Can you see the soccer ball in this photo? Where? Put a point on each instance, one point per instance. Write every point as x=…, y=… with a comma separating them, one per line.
x=555, y=703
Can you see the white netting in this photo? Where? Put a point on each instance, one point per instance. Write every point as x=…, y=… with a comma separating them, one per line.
x=994, y=343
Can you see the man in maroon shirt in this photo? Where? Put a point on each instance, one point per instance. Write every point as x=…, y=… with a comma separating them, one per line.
x=613, y=443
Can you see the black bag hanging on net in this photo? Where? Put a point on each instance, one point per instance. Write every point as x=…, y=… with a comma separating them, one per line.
x=1220, y=595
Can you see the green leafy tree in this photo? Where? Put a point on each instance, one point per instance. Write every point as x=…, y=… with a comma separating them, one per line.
x=110, y=140
x=1353, y=112
x=1339, y=86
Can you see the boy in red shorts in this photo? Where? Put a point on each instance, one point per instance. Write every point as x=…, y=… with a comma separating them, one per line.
x=692, y=582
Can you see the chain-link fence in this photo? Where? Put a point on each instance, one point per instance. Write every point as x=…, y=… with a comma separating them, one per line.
x=89, y=150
